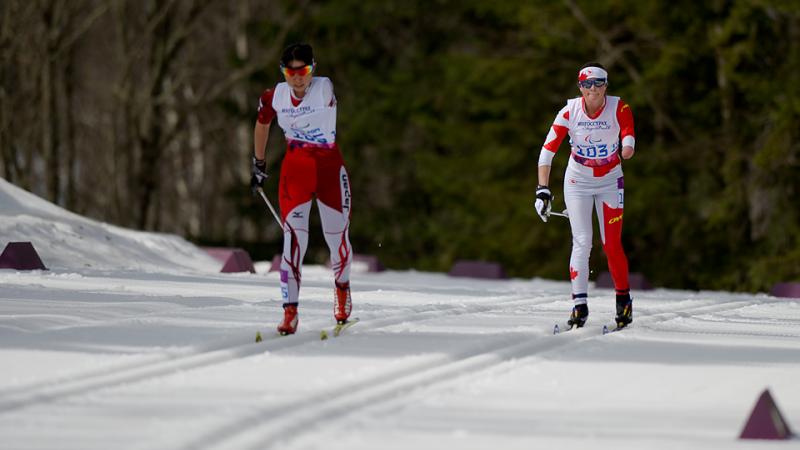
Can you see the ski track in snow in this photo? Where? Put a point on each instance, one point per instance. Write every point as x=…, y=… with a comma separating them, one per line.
x=333, y=409
x=170, y=363
x=250, y=432
x=294, y=421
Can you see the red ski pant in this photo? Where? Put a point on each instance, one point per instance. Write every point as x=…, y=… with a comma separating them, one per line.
x=306, y=173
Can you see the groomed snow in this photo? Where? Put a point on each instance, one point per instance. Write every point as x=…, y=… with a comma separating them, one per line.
x=134, y=341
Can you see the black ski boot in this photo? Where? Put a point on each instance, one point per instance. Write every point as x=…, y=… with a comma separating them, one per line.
x=579, y=315
x=624, y=310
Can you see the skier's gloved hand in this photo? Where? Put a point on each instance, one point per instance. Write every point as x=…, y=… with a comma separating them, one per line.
x=259, y=175
x=543, y=202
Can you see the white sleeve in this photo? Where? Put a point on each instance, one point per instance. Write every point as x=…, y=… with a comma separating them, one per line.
x=546, y=157
x=327, y=92
x=558, y=131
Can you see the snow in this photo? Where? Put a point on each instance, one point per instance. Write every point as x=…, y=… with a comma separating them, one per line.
x=134, y=340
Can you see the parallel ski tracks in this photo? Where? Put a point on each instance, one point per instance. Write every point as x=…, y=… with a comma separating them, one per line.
x=168, y=363
x=270, y=426
x=266, y=427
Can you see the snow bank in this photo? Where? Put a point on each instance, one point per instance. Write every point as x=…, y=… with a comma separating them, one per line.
x=67, y=241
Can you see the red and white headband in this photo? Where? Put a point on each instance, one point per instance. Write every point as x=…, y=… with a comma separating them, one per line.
x=592, y=72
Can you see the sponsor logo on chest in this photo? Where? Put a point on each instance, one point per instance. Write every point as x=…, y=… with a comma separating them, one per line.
x=297, y=112
x=594, y=125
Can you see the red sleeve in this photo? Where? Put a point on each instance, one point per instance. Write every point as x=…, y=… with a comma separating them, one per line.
x=625, y=120
x=265, y=111
x=558, y=131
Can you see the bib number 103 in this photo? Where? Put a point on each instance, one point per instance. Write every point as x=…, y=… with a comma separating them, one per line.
x=594, y=151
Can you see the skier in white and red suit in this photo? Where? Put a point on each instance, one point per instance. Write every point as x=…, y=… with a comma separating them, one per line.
x=595, y=123
x=305, y=106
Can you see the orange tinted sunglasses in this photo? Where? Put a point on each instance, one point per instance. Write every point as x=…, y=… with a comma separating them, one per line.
x=301, y=71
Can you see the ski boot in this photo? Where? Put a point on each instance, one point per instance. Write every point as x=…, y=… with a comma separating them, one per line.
x=624, y=310
x=579, y=315
x=289, y=324
x=342, y=302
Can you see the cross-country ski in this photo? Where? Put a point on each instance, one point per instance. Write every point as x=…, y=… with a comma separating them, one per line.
x=337, y=329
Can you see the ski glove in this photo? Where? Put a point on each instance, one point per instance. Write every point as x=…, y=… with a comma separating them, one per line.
x=259, y=175
x=543, y=200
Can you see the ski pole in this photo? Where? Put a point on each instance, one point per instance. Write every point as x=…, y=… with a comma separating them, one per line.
x=269, y=205
x=561, y=214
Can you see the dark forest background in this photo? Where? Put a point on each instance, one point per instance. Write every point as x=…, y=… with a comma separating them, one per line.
x=140, y=113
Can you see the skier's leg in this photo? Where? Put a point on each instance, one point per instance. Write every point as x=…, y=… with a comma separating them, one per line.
x=334, y=208
x=334, y=201
x=295, y=244
x=336, y=227
x=296, y=187
x=579, y=204
x=610, y=206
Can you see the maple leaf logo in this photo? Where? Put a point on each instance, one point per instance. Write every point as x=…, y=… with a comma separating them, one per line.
x=572, y=273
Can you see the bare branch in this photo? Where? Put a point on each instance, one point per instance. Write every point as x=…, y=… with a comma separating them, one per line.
x=236, y=76
x=81, y=29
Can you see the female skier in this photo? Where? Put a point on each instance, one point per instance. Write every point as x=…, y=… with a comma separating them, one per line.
x=595, y=123
x=305, y=106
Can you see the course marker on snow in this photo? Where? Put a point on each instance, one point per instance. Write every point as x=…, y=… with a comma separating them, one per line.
x=787, y=290
x=21, y=256
x=233, y=259
x=275, y=265
x=364, y=263
x=766, y=421
x=258, y=336
x=637, y=281
x=478, y=269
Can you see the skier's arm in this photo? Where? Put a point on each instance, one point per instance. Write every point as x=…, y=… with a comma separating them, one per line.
x=261, y=132
x=544, y=175
x=260, y=137
x=558, y=131
x=625, y=120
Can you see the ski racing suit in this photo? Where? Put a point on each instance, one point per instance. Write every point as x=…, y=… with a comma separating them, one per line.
x=312, y=167
x=593, y=178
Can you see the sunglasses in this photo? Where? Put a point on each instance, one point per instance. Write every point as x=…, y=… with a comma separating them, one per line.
x=301, y=71
x=597, y=82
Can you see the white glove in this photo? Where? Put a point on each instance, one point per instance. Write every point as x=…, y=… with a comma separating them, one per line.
x=543, y=200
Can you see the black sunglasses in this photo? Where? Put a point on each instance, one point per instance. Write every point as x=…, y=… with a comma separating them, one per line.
x=598, y=82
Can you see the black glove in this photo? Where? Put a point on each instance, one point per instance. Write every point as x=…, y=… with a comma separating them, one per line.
x=259, y=175
x=543, y=200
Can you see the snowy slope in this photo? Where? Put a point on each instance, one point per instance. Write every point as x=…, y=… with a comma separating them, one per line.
x=67, y=241
x=112, y=354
